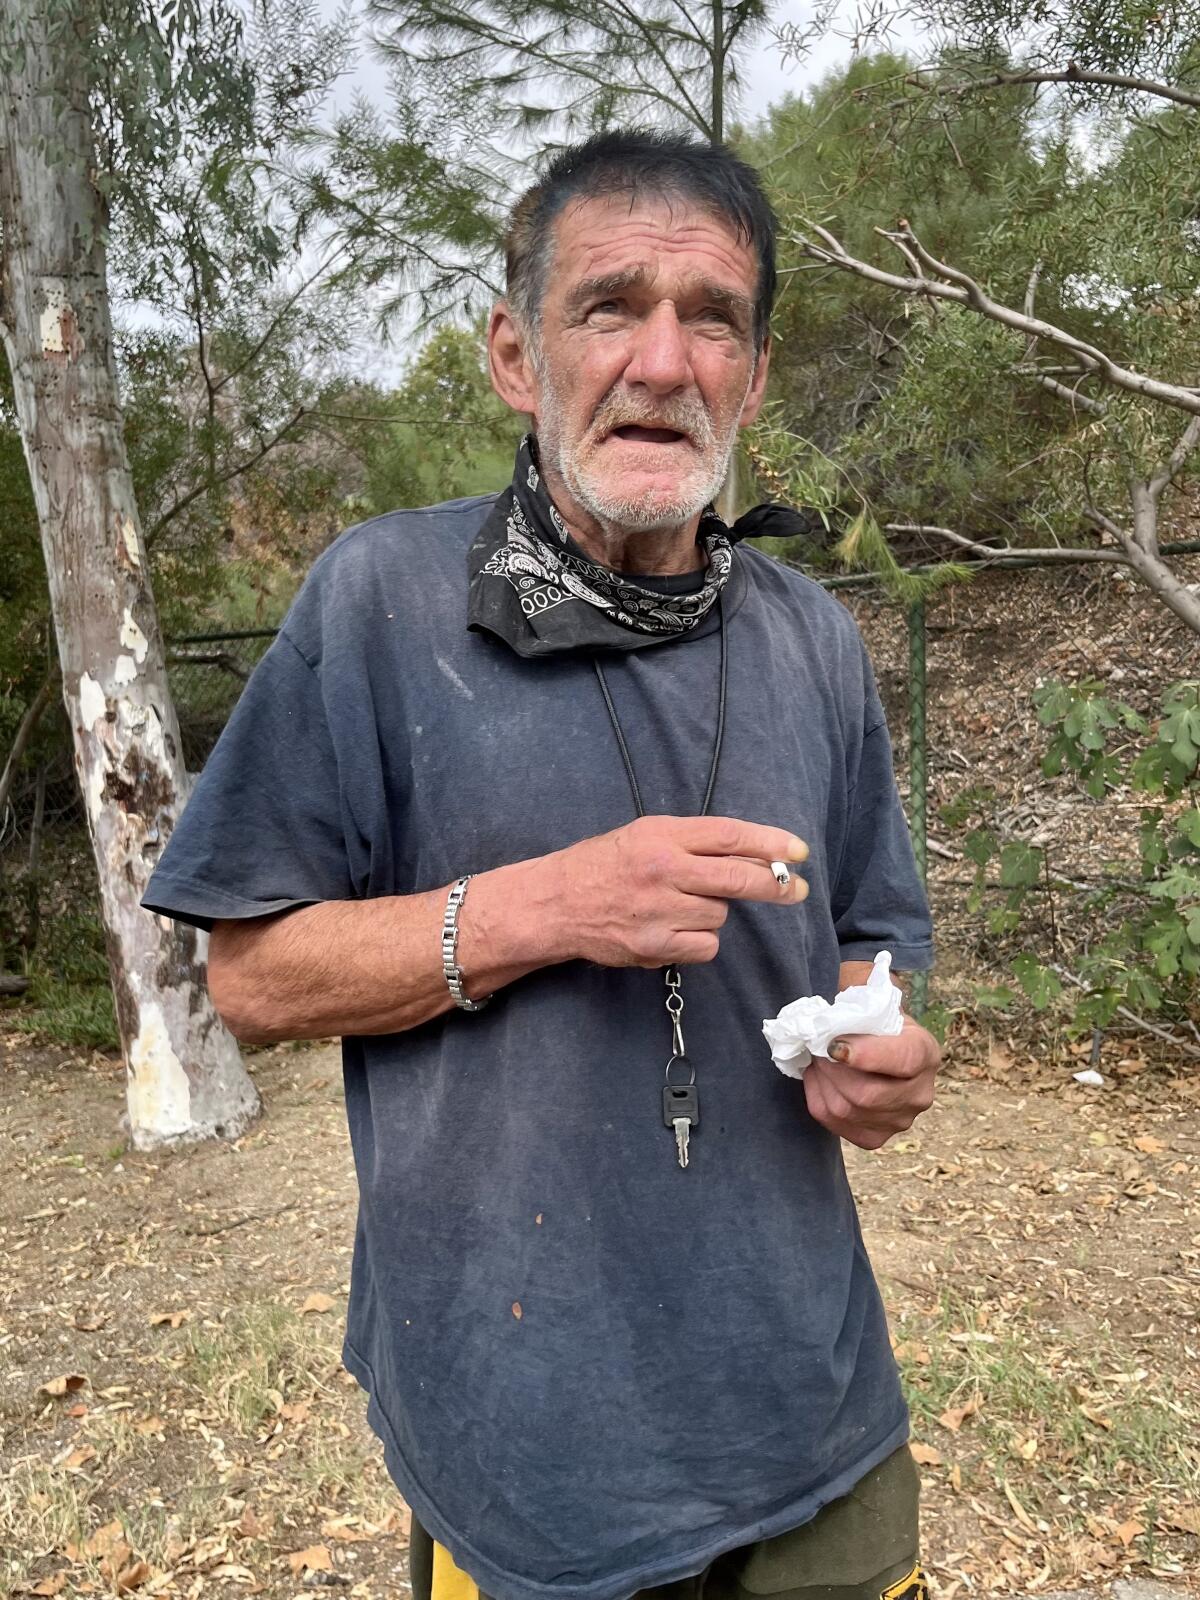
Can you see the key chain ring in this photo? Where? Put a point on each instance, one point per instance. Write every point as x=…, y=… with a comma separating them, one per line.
x=691, y=1068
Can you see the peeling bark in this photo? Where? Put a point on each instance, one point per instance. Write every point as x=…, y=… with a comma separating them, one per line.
x=185, y=1077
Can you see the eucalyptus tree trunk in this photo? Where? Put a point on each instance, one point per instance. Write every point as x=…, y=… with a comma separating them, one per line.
x=185, y=1077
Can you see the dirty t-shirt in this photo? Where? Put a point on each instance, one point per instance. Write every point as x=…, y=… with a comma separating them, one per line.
x=591, y=1371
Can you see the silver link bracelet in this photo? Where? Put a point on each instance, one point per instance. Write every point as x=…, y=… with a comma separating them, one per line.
x=450, y=967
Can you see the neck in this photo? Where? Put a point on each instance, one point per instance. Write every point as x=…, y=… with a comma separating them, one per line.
x=662, y=552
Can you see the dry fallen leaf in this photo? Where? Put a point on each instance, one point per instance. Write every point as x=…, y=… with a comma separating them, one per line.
x=65, y=1383
x=1184, y=1518
x=78, y=1457
x=1128, y=1532
x=91, y=1322
x=1149, y=1145
x=348, y=1529
x=209, y=1551
x=176, y=1545
x=148, y=1425
x=318, y=1303
x=954, y=1416
x=924, y=1454
x=105, y=1540
x=1019, y=1510
x=398, y=1520
x=254, y=1526
x=909, y=1350
x=132, y=1577
x=1094, y=1414
x=315, y=1559
x=175, y=1318
x=48, y=1586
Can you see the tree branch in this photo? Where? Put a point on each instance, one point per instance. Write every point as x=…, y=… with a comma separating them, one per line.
x=1147, y=562
x=1141, y=1022
x=634, y=18
x=193, y=494
x=1071, y=395
x=961, y=289
x=1188, y=441
x=992, y=552
x=1069, y=74
x=261, y=344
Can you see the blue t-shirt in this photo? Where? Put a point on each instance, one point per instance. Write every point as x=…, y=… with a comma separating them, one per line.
x=701, y=1358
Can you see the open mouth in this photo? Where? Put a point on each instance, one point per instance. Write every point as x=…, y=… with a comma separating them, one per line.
x=634, y=433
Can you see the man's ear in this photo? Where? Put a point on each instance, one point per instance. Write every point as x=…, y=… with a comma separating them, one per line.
x=510, y=368
x=752, y=404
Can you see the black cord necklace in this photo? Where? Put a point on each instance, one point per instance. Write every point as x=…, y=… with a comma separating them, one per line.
x=681, y=1101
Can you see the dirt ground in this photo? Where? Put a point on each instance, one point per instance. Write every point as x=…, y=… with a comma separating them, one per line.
x=175, y=1419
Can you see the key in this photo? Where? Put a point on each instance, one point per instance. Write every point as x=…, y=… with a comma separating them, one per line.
x=683, y=1129
x=681, y=1112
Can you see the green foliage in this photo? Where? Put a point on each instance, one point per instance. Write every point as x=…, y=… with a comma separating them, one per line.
x=795, y=470
x=562, y=67
x=69, y=1001
x=1138, y=37
x=1149, y=958
x=933, y=415
x=24, y=602
x=870, y=392
x=456, y=437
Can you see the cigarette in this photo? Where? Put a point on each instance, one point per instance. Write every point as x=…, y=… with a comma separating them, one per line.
x=782, y=876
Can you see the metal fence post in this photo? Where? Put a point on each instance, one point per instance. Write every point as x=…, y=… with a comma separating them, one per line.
x=917, y=780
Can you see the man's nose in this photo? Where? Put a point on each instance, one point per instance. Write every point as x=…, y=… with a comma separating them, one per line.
x=660, y=360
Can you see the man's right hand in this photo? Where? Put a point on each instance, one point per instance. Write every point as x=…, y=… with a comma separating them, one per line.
x=651, y=894
x=656, y=892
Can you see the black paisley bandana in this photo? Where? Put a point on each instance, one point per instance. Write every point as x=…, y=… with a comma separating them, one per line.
x=533, y=587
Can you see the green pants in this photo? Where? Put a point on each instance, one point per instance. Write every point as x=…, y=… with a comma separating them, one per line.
x=861, y=1547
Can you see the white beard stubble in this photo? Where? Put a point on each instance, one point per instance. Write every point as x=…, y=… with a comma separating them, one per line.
x=615, y=514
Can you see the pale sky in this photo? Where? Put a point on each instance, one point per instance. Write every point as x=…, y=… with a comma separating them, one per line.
x=767, y=78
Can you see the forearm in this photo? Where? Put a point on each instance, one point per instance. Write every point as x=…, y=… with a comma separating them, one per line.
x=653, y=893
x=375, y=966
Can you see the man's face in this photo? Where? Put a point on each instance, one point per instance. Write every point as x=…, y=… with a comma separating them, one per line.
x=646, y=365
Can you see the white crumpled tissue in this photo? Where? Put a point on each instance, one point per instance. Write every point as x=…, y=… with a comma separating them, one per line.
x=806, y=1027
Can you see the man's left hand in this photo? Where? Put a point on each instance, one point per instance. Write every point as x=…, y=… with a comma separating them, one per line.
x=877, y=1087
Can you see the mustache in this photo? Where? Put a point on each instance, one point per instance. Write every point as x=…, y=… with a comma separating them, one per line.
x=685, y=414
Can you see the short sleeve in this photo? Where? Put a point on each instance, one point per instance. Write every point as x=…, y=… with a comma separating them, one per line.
x=263, y=828
x=878, y=901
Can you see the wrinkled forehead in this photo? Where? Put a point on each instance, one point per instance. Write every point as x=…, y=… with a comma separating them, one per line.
x=648, y=237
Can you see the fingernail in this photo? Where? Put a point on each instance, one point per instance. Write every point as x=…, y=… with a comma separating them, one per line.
x=839, y=1050
x=797, y=849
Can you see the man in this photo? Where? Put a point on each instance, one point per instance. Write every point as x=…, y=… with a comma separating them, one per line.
x=595, y=1369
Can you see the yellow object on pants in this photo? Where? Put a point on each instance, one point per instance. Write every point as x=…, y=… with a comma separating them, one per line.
x=863, y=1546
x=450, y=1582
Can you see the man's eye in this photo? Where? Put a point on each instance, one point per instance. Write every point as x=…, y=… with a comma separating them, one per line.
x=606, y=305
